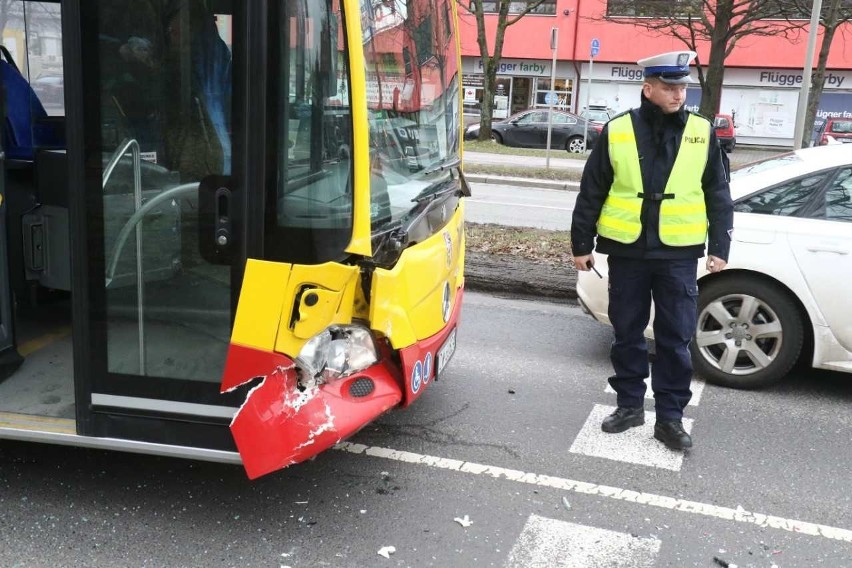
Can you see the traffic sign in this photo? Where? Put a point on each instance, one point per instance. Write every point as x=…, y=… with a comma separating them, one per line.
x=596, y=47
x=551, y=98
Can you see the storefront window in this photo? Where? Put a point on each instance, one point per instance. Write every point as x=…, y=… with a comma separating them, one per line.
x=474, y=90
x=546, y=7
x=652, y=8
x=563, y=87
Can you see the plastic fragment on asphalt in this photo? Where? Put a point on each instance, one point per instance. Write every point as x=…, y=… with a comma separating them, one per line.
x=386, y=551
x=566, y=503
x=464, y=521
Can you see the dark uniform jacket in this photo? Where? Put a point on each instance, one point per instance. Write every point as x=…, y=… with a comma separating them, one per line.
x=658, y=138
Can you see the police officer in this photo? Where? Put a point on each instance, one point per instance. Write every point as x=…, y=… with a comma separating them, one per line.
x=654, y=191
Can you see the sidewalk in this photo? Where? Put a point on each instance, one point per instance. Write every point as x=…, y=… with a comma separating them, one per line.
x=556, y=160
x=741, y=155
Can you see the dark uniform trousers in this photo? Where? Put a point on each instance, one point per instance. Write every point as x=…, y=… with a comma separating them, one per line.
x=672, y=284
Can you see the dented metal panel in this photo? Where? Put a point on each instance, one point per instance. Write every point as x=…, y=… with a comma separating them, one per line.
x=410, y=301
x=285, y=418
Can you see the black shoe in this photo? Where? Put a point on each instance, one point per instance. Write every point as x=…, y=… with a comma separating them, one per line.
x=622, y=419
x=673, y=435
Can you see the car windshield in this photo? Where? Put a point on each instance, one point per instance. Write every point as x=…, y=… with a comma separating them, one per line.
x=765, y=165
x=844, y=127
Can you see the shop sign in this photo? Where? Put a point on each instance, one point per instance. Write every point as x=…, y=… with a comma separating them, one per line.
x=476, y=81
x=518, y=67
x=786, y=78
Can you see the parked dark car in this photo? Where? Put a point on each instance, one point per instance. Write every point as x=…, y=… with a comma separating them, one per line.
x=726, y=132
x=835, y=130
x=50, y=89
x=528, y=129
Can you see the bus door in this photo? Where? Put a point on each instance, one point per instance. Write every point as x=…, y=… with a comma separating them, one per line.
x=161, y=237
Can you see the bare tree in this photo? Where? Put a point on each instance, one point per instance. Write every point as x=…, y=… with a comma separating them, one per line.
x=491, y=56
x=834, y=13
x=719, y=23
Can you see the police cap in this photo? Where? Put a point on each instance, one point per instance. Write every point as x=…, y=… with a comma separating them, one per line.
x=671, y=67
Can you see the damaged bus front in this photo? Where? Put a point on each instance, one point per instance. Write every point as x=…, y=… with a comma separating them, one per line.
x=237, y=233
x=353, y=308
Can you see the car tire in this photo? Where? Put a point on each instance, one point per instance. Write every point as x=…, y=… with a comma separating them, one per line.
x=575, y=145
x=495, y=136
x=752, y=351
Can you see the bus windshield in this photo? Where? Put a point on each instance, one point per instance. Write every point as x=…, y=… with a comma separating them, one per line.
x=310, y=219
x=413, y=97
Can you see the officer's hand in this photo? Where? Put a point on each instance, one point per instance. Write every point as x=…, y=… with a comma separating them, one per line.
x=715, y=264
x=583, y=262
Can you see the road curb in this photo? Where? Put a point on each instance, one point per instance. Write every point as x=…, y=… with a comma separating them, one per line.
x=524, y=182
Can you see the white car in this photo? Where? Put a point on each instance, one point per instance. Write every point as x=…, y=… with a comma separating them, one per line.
x=785, y=285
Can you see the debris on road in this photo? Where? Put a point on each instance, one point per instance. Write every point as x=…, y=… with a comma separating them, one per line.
x=386, y=551
x=465, y=521
x=566, y=503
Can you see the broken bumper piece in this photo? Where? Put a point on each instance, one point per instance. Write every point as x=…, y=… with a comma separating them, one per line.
x=282, y=423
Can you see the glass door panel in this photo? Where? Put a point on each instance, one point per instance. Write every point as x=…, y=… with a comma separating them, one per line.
x=164, y=82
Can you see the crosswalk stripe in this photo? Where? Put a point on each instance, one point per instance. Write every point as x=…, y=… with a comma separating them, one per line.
x=636, y=445
x=738, y=515
x=551, y=543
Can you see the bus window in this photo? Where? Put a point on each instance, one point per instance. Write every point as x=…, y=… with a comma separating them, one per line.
x=32, y=76
x=412, y=94
x=310, y=212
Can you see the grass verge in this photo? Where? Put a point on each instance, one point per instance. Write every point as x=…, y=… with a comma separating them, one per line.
x=492, y=147
x=541, y=245
x=556, y=174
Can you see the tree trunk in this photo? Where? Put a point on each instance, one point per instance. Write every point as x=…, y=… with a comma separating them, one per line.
x=489, y=86
x=711, y=90
x=818, y=77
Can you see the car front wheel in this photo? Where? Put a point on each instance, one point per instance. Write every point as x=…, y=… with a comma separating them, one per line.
x=749, y=333
x=495, y=136
x=575, y=145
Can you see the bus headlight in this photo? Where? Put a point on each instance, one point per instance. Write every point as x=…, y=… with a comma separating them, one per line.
x=338, y=351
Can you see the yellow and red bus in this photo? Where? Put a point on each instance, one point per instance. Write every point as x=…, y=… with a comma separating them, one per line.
x=233, y=228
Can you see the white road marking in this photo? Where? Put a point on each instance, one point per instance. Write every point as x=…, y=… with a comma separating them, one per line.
x=636, y=445
x=697, y=388
x=738, y=515
x=550, y=543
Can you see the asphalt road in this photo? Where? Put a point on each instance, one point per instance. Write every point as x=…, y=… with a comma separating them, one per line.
x=525, y=393
x=520, y=206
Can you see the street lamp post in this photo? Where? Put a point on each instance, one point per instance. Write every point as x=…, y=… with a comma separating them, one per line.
x=554, y=41
x=802, y=110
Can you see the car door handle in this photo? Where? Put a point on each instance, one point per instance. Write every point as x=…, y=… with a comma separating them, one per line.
x=839, y=251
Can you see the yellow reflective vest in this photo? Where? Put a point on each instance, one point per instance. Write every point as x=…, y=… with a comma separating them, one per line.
x=683, y=216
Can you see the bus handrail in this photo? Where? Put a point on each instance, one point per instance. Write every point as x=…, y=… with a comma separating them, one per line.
x=136, y=154
x=126, y=144
x=137, y=217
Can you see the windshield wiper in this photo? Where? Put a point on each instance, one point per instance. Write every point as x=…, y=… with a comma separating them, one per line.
x=454, y=163
x=431, y=193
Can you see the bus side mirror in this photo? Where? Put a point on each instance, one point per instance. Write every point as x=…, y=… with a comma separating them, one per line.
x=217, y=239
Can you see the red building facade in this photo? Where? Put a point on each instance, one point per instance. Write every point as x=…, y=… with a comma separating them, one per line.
x=763, y=74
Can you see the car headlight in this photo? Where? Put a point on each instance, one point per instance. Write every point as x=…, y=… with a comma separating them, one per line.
x=336, y=352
